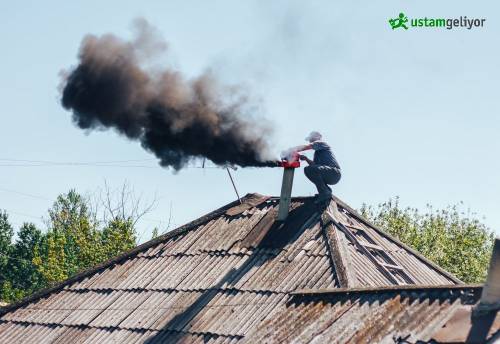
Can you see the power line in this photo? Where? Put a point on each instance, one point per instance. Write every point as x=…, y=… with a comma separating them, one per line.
x=25, y=194
x=49, y=199
x=23, y=214
x=112, y=163
x=4, y=162
x=98, y=165
x=70, y=162
x=76, y=165
x=42, y=163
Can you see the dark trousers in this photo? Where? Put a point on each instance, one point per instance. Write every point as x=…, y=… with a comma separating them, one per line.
x=322, y=176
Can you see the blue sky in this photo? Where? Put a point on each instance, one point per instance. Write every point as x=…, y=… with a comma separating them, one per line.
x=414, y=113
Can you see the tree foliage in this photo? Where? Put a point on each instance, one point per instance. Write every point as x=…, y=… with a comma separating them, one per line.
x=118, y=236
x=23, y=276
x=455, y=240
x=6, y=233
x=74, y=240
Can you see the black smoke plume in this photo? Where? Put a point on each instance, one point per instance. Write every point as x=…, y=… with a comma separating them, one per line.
x=176, y=119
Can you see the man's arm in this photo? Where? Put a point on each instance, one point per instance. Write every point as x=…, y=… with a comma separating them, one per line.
x=303, y=157
x=287, y=153
x=303, y=148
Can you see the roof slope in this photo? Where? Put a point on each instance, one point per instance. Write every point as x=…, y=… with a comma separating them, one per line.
x=218, y=277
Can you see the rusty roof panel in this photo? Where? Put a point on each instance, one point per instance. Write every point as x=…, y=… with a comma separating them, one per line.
x=373, y=317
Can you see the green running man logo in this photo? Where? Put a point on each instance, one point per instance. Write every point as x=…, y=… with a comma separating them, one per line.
x=399, y=22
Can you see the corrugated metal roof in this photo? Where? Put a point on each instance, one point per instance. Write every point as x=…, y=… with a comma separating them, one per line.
x=217, y=279
x=376, y=315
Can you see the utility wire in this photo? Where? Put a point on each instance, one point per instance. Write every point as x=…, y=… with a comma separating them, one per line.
x=94, y=165
x=4, y=162
x=112, y=163
x=39, y=163
x=79, y=165
x=148, y=219
x=23, y=214
x=25, y=194
x=75, y=163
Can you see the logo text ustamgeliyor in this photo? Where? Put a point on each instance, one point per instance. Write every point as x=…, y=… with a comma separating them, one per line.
x=403, y=22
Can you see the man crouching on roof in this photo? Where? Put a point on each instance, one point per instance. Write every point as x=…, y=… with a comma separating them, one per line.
x=323, y=170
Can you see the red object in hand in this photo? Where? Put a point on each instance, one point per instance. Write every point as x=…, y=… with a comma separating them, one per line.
x=292, y=162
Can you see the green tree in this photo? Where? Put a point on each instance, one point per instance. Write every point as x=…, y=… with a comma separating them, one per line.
x=51, y=261
x=6, y=233
x=455, y=240
x=23, y=275
x=72, y=224
x=118, y=236
x=155, y=234
x=74, y=240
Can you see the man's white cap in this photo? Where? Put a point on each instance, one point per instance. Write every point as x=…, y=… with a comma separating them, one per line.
x=313, y=136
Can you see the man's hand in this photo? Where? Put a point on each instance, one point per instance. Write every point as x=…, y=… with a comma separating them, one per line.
x=305, y=158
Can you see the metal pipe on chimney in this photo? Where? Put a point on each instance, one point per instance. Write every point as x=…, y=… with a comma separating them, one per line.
x=289, y=164
x=286, y=193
